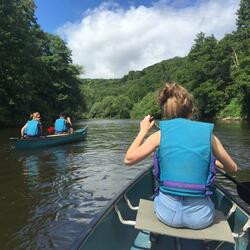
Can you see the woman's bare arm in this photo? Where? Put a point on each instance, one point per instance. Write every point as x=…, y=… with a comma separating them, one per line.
x=143, y=150
x=22, y=129
x=139, y=150
x=225, y=161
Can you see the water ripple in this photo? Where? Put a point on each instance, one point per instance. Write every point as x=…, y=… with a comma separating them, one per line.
x=53, y=193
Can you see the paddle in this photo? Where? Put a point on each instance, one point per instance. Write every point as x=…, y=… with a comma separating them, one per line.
x=243, y=188
x=152, y=119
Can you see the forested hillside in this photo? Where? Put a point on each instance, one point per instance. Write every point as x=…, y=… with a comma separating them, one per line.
x=36, y=70
x=37, y=74
x=216, y=72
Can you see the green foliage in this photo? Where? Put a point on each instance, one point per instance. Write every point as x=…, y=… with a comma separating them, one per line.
x=18, y=53
x=148, y=105
x=122, y=106
x=210, y=72
x=243, y=14
x=135, y=86
x=62, y=86
x=96, y=110
x=215, y=72
x=232, y=110
x=37, y=73
x=112, y=107
x=209, y=99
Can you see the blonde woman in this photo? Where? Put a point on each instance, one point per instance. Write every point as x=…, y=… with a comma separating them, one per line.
x=33, y=127
x=184, y=153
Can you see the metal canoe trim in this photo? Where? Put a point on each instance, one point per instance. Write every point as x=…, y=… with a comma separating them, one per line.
x=236, y=205
x=231, y=211
x=125, y=222
x=129, y=203
x=244, y=230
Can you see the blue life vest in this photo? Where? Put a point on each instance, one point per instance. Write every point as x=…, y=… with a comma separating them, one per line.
x=33, y=128
x=185, y=158
x=60, y=125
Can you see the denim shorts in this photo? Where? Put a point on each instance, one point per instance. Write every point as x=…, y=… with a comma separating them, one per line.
x=183, y=211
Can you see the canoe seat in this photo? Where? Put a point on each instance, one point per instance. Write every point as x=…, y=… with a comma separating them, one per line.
x=147, y=220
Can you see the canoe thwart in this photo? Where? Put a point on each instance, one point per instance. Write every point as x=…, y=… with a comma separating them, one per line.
x=125, y=222
x=231, y=211
x=129, y=203
x=147, y=220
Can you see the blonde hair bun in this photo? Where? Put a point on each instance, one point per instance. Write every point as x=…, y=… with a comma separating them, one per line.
x=175, y=101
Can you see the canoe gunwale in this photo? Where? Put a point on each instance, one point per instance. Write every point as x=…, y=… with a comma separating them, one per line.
x=242, y=205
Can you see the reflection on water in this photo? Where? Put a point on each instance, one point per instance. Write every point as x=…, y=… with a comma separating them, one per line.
x=235, y=136
x=49, y=195
x=59, y=190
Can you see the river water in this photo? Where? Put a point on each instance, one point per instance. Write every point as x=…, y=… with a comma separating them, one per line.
x=49, y=195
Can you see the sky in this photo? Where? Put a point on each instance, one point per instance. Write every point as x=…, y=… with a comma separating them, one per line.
x=110, y=38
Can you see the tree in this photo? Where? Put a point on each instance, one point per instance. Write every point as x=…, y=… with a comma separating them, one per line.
x=61, y=85
x=107, y=107
x=243, y=15
x=202, y=60
x=147, y=106
x=216, y=72
x=122, y=106
x=18, y=52
x=241, y=43
x=209, y=99
x=36, y=70
x=96, y=110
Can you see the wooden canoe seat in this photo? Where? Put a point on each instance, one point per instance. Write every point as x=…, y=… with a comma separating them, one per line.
x=147, y=220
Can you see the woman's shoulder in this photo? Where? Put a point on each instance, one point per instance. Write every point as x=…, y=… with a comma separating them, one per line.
x=155, y=137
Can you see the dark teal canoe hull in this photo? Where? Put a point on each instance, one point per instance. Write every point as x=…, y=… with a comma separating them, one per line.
x=106, y=232
x=49, y=141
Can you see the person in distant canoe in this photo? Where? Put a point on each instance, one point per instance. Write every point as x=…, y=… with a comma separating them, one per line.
x=184, y=160
x=63, y=124
x=33, y=127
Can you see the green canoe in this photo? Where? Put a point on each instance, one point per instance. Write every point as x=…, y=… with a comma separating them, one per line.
x=121, y=226
x=49, y=140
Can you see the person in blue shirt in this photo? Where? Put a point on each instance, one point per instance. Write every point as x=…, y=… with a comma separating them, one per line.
x=63, y=124
x=184, y=152
x=33, y=127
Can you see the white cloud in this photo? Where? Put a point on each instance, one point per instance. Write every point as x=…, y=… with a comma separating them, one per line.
x=109, y=41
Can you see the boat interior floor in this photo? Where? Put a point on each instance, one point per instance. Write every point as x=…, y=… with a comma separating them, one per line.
x=164, y=242
x=216, y=236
